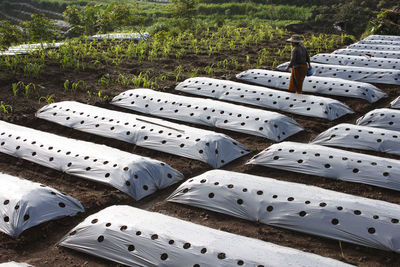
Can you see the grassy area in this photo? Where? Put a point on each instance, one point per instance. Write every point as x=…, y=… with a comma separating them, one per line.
x=278, y=15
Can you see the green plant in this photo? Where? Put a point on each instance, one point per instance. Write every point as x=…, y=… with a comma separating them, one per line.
x=184, y=12
x=12, y=63
x=5, y=108
x=102, y=95
x=105, y=80
x=48, y=99
x=9, y=34
x=194, y=72
x=15, y=88
x=178, y=72
x=209, y=70
x=40, y=29
x=25, y=87
x=66, y=85
x=32, y=70
x=123, y=80
x=137, y=80
x=275, y=63
x=91, y=19
x=75, y=86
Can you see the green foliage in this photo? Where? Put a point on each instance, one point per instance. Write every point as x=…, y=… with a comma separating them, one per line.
x=386, y=22
x=184, y=8
x=9, y=34
x=325, y=42
x=91, y=19
x=74, y=86
x=105, y=80
x=354, y=14
x=146, y=80
x=4, y=108
x=184, y=12
x=40, y=29
x=21, y=88
x=262, y=11
x=32, y=70
x=49, y=99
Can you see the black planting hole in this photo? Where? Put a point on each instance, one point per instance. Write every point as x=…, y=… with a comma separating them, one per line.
x=335, y=221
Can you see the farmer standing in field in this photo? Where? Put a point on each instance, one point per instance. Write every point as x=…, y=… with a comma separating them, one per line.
x=300, y=64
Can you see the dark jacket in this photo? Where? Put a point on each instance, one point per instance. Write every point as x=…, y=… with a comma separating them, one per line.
x=299, y=56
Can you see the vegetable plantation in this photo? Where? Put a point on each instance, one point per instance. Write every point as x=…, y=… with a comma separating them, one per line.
x=198, y=72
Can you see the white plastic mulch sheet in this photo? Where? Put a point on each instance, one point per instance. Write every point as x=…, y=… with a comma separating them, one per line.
x=379, y=42
x=209, y=112
x=135, y=175
x=27, y=48
x=136, y=237
x=385, y=118
x=361, y=74
x=331, y=163
x=121, y=36
x=372, y=53
x=24, y=204
x=362, y=137
x=299, y=207
x=373, y=47
x=395, y=103
x=383, y=37
x=213, y=148
x=15, y=264
x=314, y=84
x=313, y=106
x=359, y=61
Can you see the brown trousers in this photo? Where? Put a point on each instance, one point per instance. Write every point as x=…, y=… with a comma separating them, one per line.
x=297, y=78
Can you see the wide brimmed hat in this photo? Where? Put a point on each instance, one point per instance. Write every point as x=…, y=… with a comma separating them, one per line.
x=295, y=39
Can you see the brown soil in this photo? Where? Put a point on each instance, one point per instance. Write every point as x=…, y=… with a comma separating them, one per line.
x=37, y=245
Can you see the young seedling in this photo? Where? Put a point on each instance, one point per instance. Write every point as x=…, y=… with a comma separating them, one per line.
x=5, y=108
x=48, y=99
x=66, y=85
